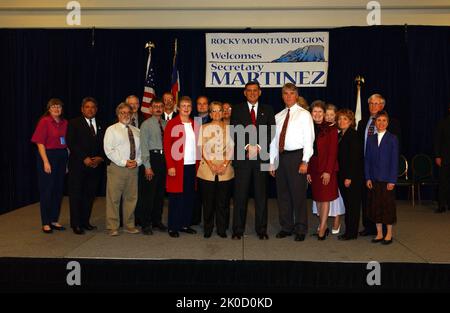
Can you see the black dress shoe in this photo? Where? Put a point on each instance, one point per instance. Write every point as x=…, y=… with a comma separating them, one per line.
x=222, y=235
x=386, y=242
x=47, y=231
x=346, y=237
x=366, y=233
x=236, y=237
x=147, y=230
x=57, y=227
x=283, y=234
x=174, y=234
x=188, y=230
x=374, y=240
x=78, y=230
x=440, y=210
x=263, y=236
x=207, y=235
x=89, y=227
x=299, y=237
x=160, y=226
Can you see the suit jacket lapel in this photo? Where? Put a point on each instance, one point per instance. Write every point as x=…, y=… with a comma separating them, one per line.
x=260, y=114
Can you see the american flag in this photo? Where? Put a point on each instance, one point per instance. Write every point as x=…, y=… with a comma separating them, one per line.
x=149, y=86
x=175, y=76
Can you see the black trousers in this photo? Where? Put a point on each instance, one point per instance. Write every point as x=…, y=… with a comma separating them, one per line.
x=198, y=203
x=152, y=192
x=51, y=186
x=243, y=175
x=444, y=185
x=352, y=202
x=216, y=204
x=83, y=184
x=291, y=190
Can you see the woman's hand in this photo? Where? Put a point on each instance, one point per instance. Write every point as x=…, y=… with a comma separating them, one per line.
x=347, y=183
x=308, y=178
x=369, y=184
x=325, y=178
x=390, y=187
x=47, y=168
x=171, y=171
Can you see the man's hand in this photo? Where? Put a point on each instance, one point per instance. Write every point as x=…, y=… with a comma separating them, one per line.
x=308, y=178
x=97, y=160
x=272, y=170
x=347, y=183
x=252, y=151
x=171, y=171
x=438, y=161
x=390, y=186
x=303, y=168
x=369, y=184
x=131, y=164
x=325, y=178
x=149, y=173
x=88, y=162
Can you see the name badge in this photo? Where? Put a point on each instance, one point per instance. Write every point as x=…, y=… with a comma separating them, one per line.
x=62, y=140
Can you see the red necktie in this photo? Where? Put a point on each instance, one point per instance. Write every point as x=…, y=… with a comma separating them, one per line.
x=253, y=115
x=283, y=133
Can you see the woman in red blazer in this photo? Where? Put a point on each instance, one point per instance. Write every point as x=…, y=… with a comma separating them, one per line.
x=323, y=165
x=180, y=151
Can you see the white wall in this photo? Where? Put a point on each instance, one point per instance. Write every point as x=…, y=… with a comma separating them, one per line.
x=177, y=14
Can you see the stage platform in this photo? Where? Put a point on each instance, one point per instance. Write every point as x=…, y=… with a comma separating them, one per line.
x=419, y=258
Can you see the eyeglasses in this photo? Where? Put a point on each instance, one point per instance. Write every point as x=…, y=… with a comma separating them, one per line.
x=216, y=111
x=124, y=113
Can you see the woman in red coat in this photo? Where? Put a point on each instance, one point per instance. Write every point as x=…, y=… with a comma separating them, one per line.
x=180, y=151
x=323, y=165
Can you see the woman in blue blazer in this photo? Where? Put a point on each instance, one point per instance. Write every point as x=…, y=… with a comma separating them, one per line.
x=381, y=168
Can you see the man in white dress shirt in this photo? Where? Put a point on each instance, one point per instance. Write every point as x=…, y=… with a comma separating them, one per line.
x=291, y=150
x=122, y=147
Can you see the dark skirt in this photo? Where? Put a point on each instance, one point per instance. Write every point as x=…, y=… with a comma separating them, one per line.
x=381, y=207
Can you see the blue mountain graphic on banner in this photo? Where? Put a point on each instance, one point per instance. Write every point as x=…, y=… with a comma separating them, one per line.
x=312, y=53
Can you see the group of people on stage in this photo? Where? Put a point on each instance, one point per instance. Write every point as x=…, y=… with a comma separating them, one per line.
x=204, y=162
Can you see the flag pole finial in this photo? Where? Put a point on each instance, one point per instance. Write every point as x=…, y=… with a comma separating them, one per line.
x=359, y=80
x=149, y=45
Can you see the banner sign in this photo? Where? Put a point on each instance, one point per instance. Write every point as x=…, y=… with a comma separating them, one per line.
x=273, y=59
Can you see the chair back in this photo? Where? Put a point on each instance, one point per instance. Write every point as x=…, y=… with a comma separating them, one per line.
x=402, y=167
x=422, y=167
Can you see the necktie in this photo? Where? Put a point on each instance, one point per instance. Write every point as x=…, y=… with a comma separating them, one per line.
x=132, y=144
x=371, y=129
x=283, y=133
x=162, y=130
x=133, y=122
x=253, y=115
x=91, y=127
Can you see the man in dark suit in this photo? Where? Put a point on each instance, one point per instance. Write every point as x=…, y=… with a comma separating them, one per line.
x=442, y=159
x=85, y=142
x=366, y=127
x=251, y=151
x=169, y=106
